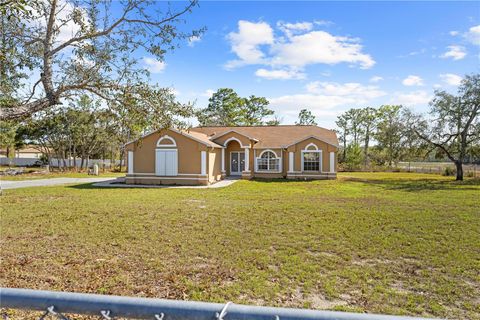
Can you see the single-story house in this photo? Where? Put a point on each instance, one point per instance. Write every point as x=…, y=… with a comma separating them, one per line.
x=204, y=155
x=29, y=151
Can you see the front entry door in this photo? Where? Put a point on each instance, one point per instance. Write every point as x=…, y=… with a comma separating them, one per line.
x=237, y=163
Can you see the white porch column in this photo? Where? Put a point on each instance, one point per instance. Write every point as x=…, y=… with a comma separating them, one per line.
x=223, y=159
x=204, y=163
x=291, y=160
x=332, y=162
x=130, y=162
x=247, y=159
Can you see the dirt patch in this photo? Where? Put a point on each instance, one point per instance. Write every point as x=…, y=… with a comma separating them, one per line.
x=399, y=287
x=318, y=301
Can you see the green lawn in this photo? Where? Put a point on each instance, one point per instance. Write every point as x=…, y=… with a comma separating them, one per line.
x=393, y=243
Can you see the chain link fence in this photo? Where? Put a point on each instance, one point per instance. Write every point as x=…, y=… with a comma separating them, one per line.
x=56, y=305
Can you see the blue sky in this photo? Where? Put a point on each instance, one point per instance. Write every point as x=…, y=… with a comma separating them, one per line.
x=325, y=56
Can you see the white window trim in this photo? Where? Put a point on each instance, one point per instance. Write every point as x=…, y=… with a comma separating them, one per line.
x=320, y=160
x=166, y=137
x=225, y=144
x=310, y=145
x=276, y=157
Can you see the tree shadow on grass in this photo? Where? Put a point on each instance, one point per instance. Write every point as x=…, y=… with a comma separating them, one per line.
x=90, y=185
x=421, y=184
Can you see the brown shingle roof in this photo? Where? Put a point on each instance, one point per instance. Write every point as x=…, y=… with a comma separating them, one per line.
x=198, y=136
x=274, y=136
x=201, y=137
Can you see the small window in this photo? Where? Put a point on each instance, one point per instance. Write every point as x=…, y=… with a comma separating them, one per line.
x=268, y=161
x=311, y=161
x=166, y=141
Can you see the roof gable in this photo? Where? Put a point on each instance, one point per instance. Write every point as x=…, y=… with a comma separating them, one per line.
x=196, y=136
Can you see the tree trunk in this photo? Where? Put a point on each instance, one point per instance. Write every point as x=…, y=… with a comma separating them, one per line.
x=122, y=154
x=458, y=165
x=75, y=159
x=367, y=138
x=63, y=160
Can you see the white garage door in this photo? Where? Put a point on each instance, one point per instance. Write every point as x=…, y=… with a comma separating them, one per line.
x=166, y=162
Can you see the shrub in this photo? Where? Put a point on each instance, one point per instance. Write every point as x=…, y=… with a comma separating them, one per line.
x=449, y=171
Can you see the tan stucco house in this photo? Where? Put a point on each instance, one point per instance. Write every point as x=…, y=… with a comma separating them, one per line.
x=204, y=155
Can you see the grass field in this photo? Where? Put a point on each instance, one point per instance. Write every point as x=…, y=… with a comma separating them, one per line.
x=393, y=243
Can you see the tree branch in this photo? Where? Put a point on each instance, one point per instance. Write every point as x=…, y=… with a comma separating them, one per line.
x=24, y=110
x=435, y=144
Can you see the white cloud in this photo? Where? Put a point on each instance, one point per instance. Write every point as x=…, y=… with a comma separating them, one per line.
x=245, y=43
x=454, y=33
x=473, y=35
x=65, y=28
x=412, y=80
x=375, y=79
x=320, y=47
x=291, y=28
x=208, y=93
x=415, y=53
x=193, y=39
x=451, y=79
x=154, y=66
x=318, y=104
x=352, y=89
x=83, y=62
x=175, y=91
x=322, y=22
x=256, y=44
x=455, y=52
x=323, y=97
x=279, y=74
x=412, y=98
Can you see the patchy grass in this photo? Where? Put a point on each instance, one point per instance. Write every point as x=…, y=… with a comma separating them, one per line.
x=393, y=243
x=35, y=176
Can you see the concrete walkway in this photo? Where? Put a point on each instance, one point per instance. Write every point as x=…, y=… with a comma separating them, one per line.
x=48, y=182
x=99, y=182
x=120, y=183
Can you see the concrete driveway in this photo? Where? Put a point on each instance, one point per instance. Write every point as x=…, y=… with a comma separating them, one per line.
x=48, y=182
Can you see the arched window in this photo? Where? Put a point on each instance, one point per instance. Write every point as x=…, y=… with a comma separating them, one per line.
x=311, y=146
x=268, y=161
x=268, y=155
x=166, y=141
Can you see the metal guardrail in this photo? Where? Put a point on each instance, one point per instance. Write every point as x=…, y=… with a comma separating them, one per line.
x=109, y=307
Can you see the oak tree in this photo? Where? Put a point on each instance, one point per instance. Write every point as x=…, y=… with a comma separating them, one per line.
x=67, y=47
x=453, y=125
